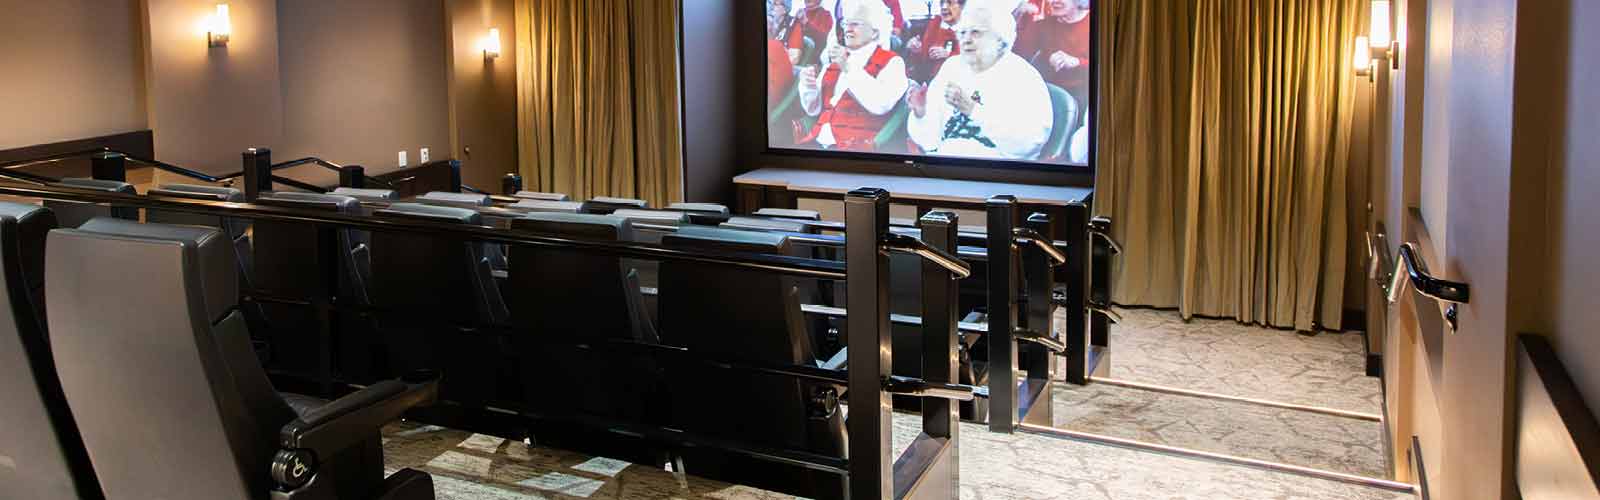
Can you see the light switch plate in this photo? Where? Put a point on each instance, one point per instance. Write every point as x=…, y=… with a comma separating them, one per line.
x=422, y=156
x=402, y=158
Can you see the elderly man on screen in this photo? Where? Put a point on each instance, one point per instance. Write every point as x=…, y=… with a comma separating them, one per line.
x=863, y=82
x=986, y=102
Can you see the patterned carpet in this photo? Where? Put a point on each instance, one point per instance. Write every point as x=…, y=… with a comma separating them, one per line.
x=1225, y=357
x=993, y=467
x=1150, y=346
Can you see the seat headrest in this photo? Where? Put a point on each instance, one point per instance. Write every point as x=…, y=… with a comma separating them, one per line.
x=630, y=202
x=530, y=195
x=710, y=208
x=656, y=216
x=32, y=222
x=433, y=212
x=727, y=240
x=548, y=206
x=197, y=192
x=760, y=224
x=366, y=194
x=455, y=199
x=103, y=185
x=219, y=272
x=314, y=201
x=789, y=213
x=579, y=226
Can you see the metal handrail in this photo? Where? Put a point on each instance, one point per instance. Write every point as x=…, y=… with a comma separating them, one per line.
x=1028, y=236
x=1416, y=272
x=906, y=244
x=168, y=167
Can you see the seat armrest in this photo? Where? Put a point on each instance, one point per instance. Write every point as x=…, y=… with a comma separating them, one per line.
x=352, y=419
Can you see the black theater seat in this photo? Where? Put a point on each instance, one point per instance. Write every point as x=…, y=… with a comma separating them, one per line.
x=566, y=297
x=789, y=213
x=433, y=295
x=384, y=196
x=463, y=200
x=532, y=205
x=292, y=261
x=157, y=365
x=238, y=230
x=74, y=214
x=531, y=195
x=40, y=441
x=701, y=208
x=605, y=205
x=727, y=313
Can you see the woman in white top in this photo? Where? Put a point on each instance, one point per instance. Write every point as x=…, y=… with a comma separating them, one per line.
x=986, y=102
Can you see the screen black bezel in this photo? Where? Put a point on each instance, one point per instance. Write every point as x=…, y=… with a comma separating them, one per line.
x=1072, y=170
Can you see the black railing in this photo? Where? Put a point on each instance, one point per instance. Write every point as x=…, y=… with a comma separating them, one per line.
x=927, y=470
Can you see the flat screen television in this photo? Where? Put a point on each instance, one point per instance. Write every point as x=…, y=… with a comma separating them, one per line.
x=965, y=82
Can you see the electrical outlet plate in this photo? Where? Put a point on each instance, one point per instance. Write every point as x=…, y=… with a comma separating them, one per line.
x=402, y=158
x=422, y=156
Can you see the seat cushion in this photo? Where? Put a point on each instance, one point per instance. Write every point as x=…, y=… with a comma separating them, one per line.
x=530, y=195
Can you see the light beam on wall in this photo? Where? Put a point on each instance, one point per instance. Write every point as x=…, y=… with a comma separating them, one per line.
x=491, y=44
x=221, y=27
x=1381, y=38
x=1362, y=62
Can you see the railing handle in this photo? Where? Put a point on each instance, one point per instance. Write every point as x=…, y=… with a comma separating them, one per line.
x=907, y=386
x=1410, y=269
x=1101, y=227
x=1051, y=343
x=1028, y=236
x=958, y=268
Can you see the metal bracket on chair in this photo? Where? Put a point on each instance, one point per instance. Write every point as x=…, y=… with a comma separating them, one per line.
x=1105, y=310
x=1049, y=342
x=824, y=403
x=1101, y=227
x=1027, y=236
x=907, y=386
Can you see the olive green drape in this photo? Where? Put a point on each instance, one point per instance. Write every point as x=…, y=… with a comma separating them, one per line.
x=1223, y=154
x=597, y=98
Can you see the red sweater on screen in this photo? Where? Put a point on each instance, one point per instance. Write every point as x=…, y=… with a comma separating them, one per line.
x=813, y=23
x=923, y=67
x=780, y=74
x=1038, y=40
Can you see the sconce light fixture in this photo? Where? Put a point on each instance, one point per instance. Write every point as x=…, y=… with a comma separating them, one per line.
x=1362, y=63
x=221, y=28
x=1381, y=40
x=491, y=44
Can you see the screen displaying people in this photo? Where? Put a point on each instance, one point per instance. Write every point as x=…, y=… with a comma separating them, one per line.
x=981, y=79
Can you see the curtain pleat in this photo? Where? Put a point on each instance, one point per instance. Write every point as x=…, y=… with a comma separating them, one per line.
x=597, y=103
x=1226, y=162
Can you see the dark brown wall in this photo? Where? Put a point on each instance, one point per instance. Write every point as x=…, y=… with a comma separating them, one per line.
x=363, y=80
x=712, y=60
x=483, y=93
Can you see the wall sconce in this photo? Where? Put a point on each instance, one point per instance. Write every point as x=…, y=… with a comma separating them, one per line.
x=1363, y=61
x=491, y=45
x=221, y=28
x=1381, y=40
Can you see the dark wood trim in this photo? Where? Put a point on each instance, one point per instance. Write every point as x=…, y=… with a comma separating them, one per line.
x=139, y=143
x=1557, y=438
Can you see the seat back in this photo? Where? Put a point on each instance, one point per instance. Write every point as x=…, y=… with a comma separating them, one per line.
x=705, y=208
x=574, y=296
x=1064, y=121
x=605, y=205
x=727, y=313
x=464, y=200
x=294, y=260
x=40, y=440
x=156, y=362
x=531, y=195
x=789, y=213
x=234, y=227
x=428, y=289
x=74, y=214
x=548, y=206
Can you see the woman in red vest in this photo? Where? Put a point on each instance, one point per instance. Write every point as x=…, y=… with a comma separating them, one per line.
x=864, y=81
x=928, y=51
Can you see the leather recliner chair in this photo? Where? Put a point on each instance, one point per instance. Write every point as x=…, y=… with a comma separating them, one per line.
x=40, y=438
x=155, y=361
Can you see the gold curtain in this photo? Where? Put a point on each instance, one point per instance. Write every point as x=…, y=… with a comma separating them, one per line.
x=1224, y=154
x=597, y=98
